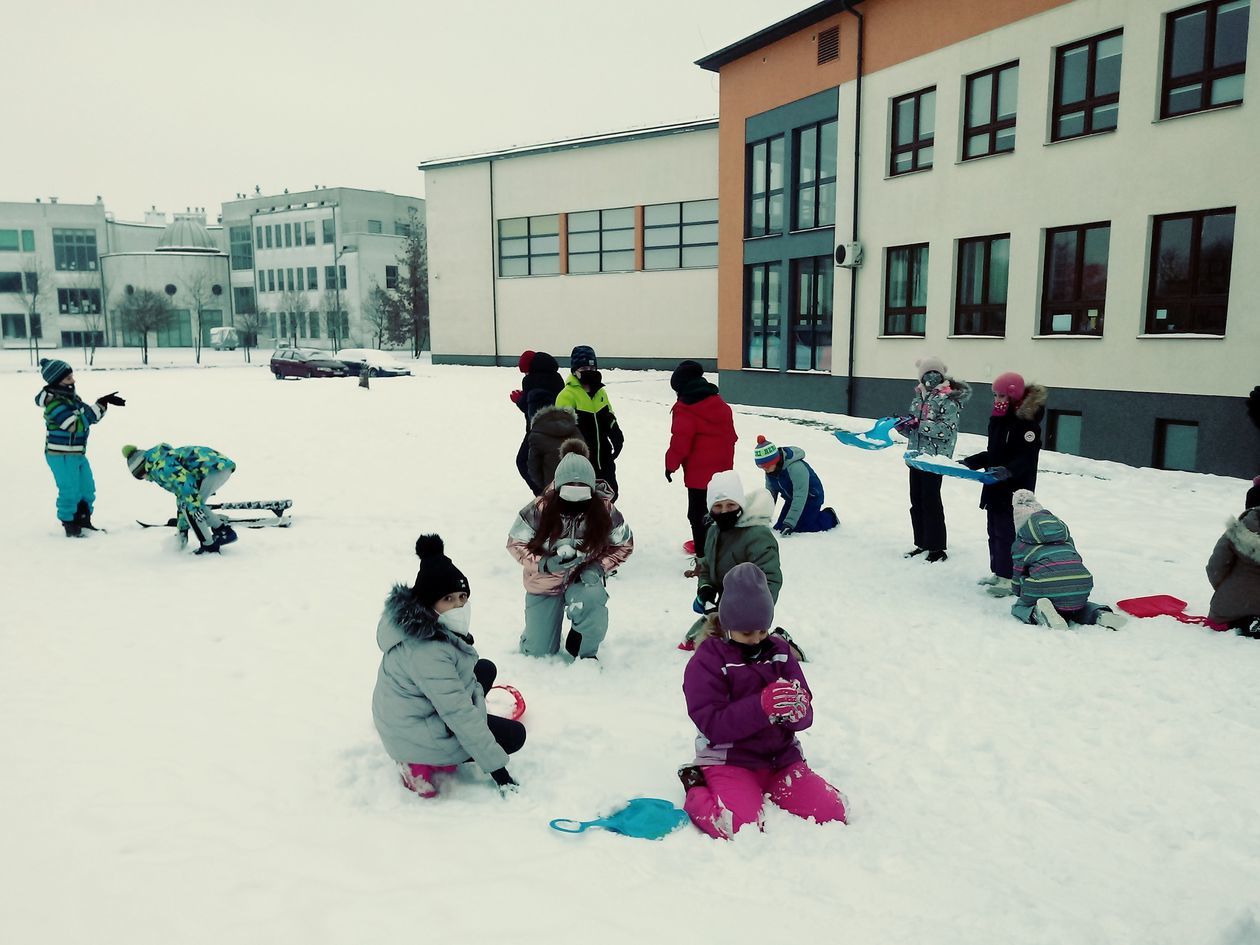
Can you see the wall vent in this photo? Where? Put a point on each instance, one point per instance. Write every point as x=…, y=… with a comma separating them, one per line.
x=829, y=45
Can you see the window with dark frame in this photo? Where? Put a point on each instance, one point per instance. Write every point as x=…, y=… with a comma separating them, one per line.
x=913, y=132
x=1087, y=86
x=529, y=246
x=1176, y=445
x=763, y=315
x=308, y=228
x=242, y=247
x=680, y=235
x=14, y=326
x=765, y=187
x=300, y=272
x=312, y=278
x=391, y=277
x=815, y=198
x=329, y=225
x=1063, y=431
x=1074, y=281
x=601, y=240
x=288, y=234
x=267, y=234
x=809, y=331
x=905, y=289
x=980, y=299
x=1191, y=254
x=1205, y=57
x=989, y=111
x=374, y=226
x=79, y=301
x=74, y=250
x=12, y=241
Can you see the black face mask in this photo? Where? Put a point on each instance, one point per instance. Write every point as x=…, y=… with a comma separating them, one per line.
x=592, y=380
x=725, y=521
x=932, y=378
x=574, y=508
x=751, y=651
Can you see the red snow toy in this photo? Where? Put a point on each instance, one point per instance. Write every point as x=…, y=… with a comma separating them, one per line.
x=510, y=706
x=1165, y=605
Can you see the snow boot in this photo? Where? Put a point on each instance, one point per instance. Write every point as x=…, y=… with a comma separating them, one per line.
x=833, y=515
x=935, y=556
x=225, y=534
x=1251, y=631
x=915, y=553
x=208, y=548
x=73, y=529
x=422, y=779
x=83, y=517
x=999, y=587
x=796, y=650
x=691, y=776
x=989, y=579
x=1047, y=616
x=573, y=643
x=1111, y=620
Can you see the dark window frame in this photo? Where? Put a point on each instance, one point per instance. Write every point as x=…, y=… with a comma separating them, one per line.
x=1079, y=305
x=823, y=271
x=679, y=242
x=994, y=124
x=918, y=142
x=767, y=300
x=1052, y=427
x=74, y=250
x=755, y=190
x=391, y=277
x=1194, y=299
x=1159, y=452
x=82, y=301
x=907, y=311
x=991, y=315
x=530, y=256
x=1204, y=77
x=817, y=185
x=1092, y=101
x=602, y=254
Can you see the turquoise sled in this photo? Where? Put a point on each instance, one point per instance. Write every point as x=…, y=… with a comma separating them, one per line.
x=877, y=437
x=947, y=467
x=649, y=818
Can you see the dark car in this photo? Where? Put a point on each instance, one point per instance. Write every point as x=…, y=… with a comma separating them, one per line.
x=306, y=362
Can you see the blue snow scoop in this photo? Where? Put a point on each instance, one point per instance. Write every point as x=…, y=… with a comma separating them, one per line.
x=933, y=464
x=877, y=437
x=647, y=817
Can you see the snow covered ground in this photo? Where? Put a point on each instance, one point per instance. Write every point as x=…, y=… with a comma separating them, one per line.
x=189, y=754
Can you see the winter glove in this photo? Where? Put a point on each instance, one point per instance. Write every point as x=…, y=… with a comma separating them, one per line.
x=112, y=399
x=707, y=593
x=669, y=475
x=970, y=462
x=1000, y=473
x=784, y=701
x=565, y=551
x=592, y=573
x=697, y=605
x=505, y=782
x=905, y=425
x=785, y=529
x=516, y=396
x=562, y=560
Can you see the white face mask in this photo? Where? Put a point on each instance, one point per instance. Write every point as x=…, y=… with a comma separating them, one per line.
x=457, y=619
x=575, y=493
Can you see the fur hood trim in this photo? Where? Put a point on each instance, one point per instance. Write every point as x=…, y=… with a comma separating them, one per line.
x=1244, y=534
x=1034, y=399
x=551, y=410
x=758, y=509
x=410, y=616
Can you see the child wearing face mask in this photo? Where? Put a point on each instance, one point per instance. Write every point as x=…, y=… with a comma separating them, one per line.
x=585, y=394
x=748, y=698
x=740, y=532
x=567, y=541
x=429, y=704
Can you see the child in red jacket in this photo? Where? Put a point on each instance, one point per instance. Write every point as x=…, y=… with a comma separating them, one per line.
x=702, y=441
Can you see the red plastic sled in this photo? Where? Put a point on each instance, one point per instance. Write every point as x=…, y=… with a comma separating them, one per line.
x=495, y=705
x=1165, y=605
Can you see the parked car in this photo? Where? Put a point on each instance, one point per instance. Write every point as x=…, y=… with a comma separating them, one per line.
x=306, y=362
x=224, y=337
x=380, y=363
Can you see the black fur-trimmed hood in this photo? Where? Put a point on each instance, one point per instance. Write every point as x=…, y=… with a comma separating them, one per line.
x=405, y=617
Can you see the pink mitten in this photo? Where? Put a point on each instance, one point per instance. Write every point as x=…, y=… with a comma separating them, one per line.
x=784, y=701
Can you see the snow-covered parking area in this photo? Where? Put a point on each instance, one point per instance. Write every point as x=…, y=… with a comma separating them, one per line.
x=189, y=754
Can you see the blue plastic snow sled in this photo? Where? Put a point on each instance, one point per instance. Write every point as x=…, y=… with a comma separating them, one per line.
x=647, y=817
x=947, y=467
x=877, y=437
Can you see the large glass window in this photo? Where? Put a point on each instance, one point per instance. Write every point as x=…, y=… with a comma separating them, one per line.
x=74, y=250
x=301, y=278
x=79, y=301
x=271, y=280
x=243, y=300
x=765, y=187
x=905, y=289
x=680, y=235
x=262, y=281
x=1086, y=86
x=329, y=229
x=309, y=230
x=913, y=132
x=288, y=234
x=82, y=339
x=983, y=266
x=530, y=246
x=242, y=247
x=14, y=326
x=989, y=111
x=267, y=235
x=815, y=203
x=1205, y=56
x=11, y=241
x=601, y=240
x=1074, y=284
x=178, y=331
x=312, y=278
x=810, y=328
x=1190, y=265
x=391, y=277
x=10, y=282
x=763, y=315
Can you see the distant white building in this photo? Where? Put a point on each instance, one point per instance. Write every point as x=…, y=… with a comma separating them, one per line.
x=609, y=241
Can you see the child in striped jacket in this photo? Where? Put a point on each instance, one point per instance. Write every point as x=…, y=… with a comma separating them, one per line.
x=1050, y=580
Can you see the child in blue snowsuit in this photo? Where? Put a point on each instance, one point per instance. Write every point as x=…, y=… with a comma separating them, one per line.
x=67, y=419
x=789, y=476
x=192, y=474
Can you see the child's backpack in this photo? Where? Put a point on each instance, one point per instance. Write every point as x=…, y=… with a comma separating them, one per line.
x=647, y=817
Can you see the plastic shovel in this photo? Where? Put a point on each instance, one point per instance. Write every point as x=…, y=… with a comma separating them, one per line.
x=649, y=818
x=1165, y=605
x=877, y=437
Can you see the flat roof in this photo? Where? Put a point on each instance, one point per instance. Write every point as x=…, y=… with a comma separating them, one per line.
x=569, y=144
x=786, y=27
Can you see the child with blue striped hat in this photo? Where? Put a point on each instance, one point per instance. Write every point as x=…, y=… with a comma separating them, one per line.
x=788, y=476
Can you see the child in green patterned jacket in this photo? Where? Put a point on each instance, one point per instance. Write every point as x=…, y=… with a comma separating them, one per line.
x=192, y=474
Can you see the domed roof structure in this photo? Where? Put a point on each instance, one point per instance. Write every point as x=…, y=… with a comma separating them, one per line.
x=186, y=236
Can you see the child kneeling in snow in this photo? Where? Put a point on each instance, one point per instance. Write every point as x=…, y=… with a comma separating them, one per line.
x=789, y=476
x=1050, y=579
x=429, y=704
x=748, y=697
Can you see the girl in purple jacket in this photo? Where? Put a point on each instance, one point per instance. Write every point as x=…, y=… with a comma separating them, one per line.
x=748, y=697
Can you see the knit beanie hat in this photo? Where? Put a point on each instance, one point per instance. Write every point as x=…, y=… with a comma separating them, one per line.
x=574, y=467
x=135, y=460
x=524, y=361
x=930, y=363
x=581, y=357
x=541, y=362
x=437, y=576
x=1023, y=505
x=686, y=371
x=53, y=371
x=1010, y=385
x=765, y=453
x=746, y=605
x=724, y=486
x=1253, y=494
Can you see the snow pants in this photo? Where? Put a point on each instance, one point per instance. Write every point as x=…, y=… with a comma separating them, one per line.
x=73, y=474
x=732, y=797
x=1025, y=610
x=201, y=519
x=813, y=517
x=697, y=509
x=927, y=513
x=1001, y=524
x=584, y=602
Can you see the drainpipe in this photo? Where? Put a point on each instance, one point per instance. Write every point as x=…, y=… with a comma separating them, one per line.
x=857, y=158
x=494, y=269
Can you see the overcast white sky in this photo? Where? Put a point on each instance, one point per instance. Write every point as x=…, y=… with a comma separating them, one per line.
x=185, y=104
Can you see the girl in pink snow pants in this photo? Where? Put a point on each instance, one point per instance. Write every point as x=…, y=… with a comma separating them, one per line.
x=748, y=697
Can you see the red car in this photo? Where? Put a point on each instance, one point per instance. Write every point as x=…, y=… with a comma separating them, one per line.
x=306, y=362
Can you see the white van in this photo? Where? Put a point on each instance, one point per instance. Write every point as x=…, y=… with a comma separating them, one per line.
x=224, y=337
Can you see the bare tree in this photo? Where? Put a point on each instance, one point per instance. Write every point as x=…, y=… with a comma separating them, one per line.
x=408, y=301
x=94, y=327
x=291, y=301
x=376, y=312
x=142, y=312
x=36, y=278
x=250, y=322
x=201, y=290
x=330, y=305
